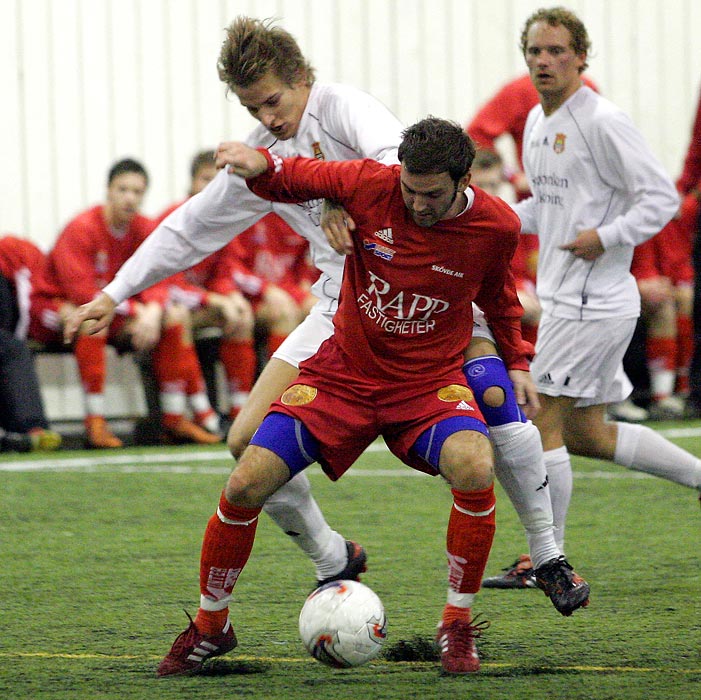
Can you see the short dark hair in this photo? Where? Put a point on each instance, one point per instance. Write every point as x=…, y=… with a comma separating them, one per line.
x=126, y=165
x=200, y=160
x=253, y=47
x=436, y=145
x=560, y=15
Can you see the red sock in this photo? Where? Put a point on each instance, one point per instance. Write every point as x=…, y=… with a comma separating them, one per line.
x=193, y=371
x=685, y=349
x=225, y=550
x=239, y=360
x=470, y=534
x=168, y=359
x=92, y=366
x=451, y=613
x=168, y=366
x=211, y=622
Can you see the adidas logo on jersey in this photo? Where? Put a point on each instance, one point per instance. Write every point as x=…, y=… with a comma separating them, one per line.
x=385, y=234
x=546, y=379
x=464, y=406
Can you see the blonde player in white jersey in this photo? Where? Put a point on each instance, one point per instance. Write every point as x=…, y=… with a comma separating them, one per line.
x=597, y=192
x=264, y=67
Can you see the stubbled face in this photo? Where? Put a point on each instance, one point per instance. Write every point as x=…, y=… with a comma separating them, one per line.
x=124, y=197
x=432, y=197
x=276, y=105
x=204, y=175
x=553, y=65
x=489, y=179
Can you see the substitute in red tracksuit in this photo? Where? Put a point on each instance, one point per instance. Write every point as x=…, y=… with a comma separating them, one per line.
x=23, y=422
x=664, y=271
x=214, y=300
x=85, y=257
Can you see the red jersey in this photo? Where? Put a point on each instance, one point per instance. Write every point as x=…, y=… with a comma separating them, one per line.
x=17, y=254
x=405, y=309
x=87, y=255
x=669, y=253
x=270, y=251
x=525, y=262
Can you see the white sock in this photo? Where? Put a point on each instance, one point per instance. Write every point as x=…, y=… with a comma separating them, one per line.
x=641, y=448
x=559, y=468
x=520, y=468
x=295, y=511
x=94, y=404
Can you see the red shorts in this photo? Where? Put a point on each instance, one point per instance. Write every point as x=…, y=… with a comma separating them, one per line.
x=346, y=411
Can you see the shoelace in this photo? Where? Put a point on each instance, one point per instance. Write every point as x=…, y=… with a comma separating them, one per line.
x=183, y=639
x=465, y=633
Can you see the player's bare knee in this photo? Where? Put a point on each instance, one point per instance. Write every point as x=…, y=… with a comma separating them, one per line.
x=473, y=477
x=244, y=489
x=468, y=462
x=494, y=396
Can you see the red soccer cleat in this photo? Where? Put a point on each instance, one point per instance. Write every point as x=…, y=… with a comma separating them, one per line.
x=456, y=642
x=191, y=649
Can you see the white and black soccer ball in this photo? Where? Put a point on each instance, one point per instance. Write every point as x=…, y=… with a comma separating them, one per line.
x=343, y=624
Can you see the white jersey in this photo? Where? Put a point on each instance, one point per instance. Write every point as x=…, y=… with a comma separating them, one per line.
x=339, y=122
x=589, y=168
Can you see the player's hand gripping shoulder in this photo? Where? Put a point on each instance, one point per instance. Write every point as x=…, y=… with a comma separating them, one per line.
x=240, y=159
x=587, y=245
x=525, y=392
x=336, y=223
x=96, y=314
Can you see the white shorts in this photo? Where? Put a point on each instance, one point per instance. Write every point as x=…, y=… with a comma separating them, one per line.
x=583, y=359
x=480, y=329
x=305, y=340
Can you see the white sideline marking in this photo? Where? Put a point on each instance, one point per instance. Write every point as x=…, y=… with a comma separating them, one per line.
x=182, y=463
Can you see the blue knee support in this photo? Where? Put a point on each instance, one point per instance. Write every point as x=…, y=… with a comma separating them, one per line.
x=483, y=373
x=289, y=439
x=428, y=445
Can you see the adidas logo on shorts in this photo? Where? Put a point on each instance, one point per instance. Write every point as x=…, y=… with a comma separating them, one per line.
x=545, y=379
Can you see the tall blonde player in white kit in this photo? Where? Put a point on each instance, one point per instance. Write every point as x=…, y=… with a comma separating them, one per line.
x=300, y=116
x=597, y=192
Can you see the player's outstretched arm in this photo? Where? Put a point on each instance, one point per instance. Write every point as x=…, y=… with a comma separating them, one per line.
x=100, y=310
x=525, y=392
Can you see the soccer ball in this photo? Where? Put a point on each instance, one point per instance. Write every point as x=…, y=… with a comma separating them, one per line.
x=343, y=624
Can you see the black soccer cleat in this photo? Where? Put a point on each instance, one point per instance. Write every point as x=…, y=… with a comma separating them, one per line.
x=356, y=565
x=566, y=590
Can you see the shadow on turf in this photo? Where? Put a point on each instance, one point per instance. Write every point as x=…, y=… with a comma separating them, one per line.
x=414, y=649
x=225, y=667
x=419, y=649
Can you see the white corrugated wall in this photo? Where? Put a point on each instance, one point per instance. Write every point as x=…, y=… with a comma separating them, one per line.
x=85, y=82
